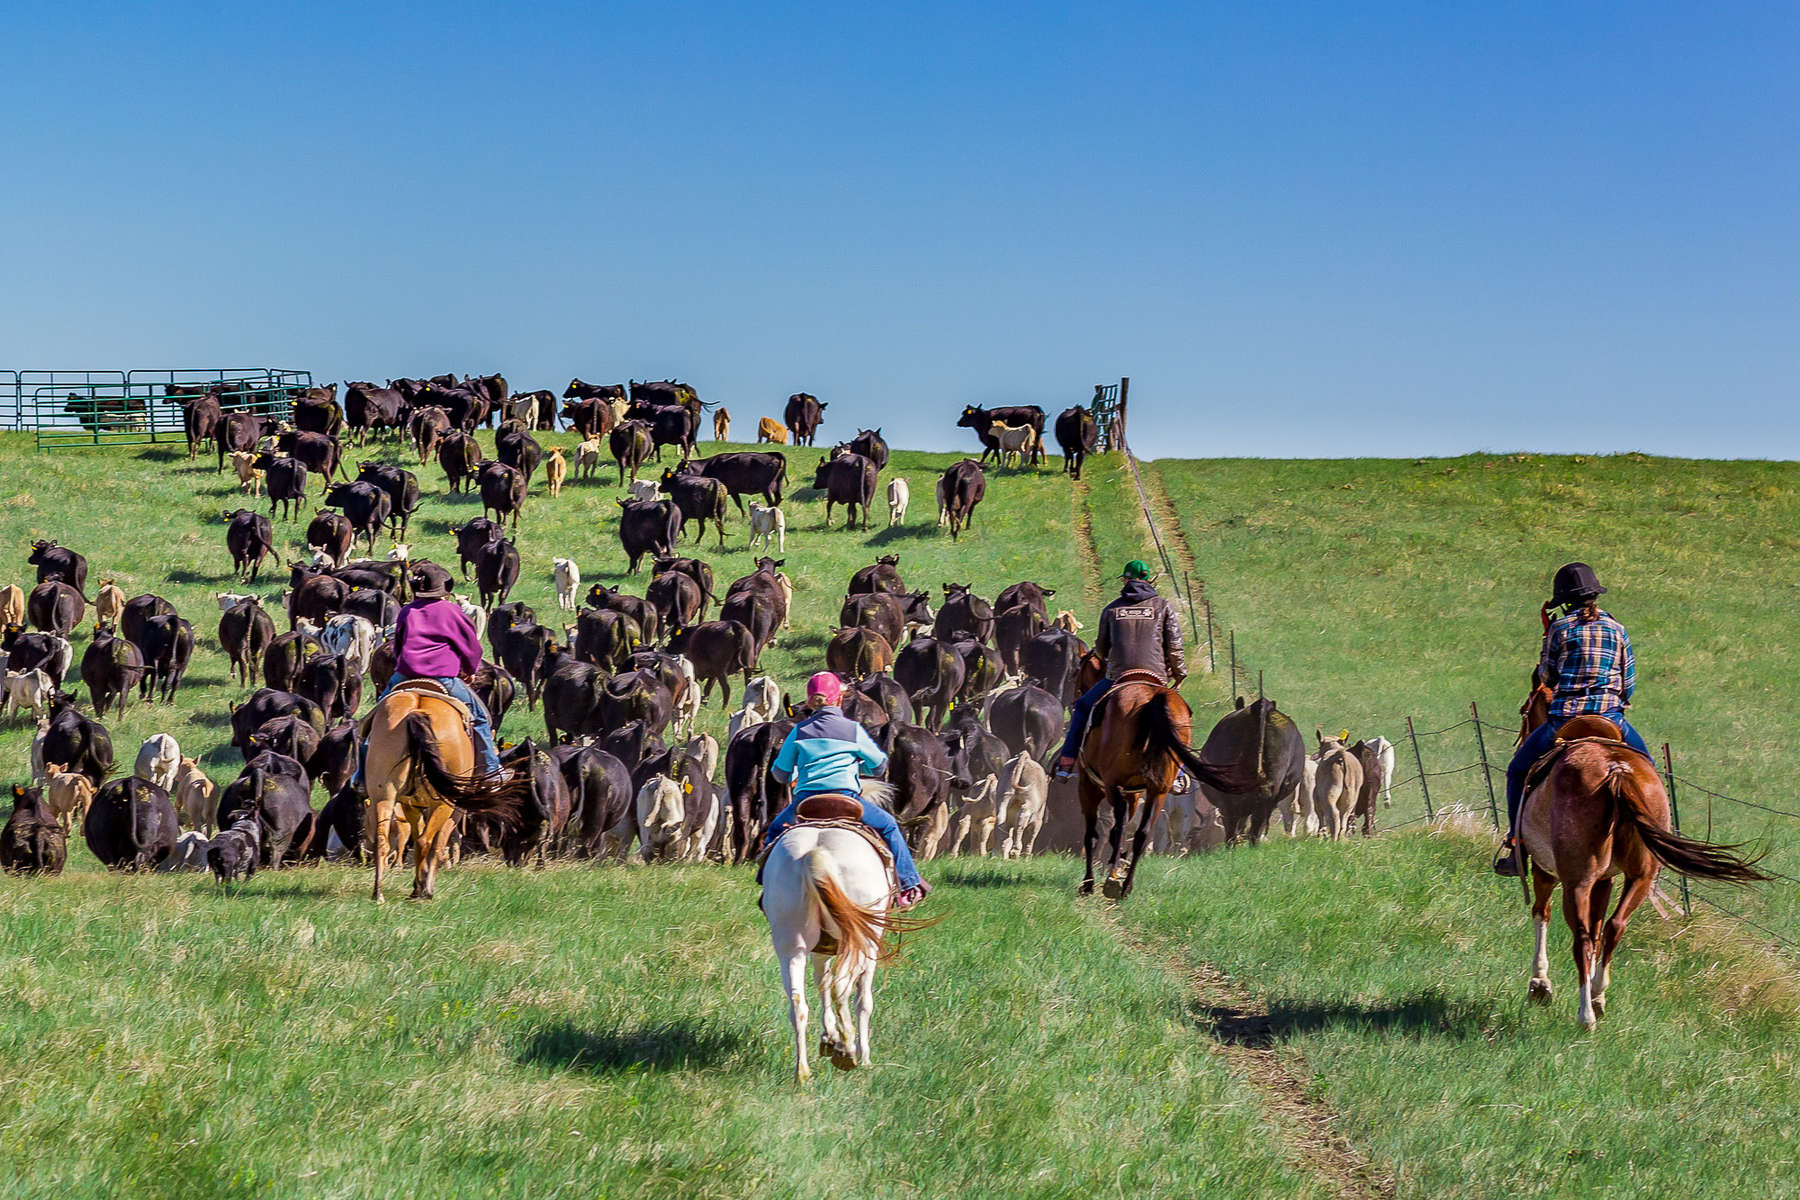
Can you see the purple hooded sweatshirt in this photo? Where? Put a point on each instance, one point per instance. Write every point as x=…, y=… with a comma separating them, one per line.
x=436, y=641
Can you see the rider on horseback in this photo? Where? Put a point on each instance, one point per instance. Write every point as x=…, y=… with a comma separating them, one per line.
x=1587, y=660
x=433, y=639
x=1138, y=632
x=822, y=755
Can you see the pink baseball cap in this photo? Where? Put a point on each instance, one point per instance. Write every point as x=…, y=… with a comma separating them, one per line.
x=825, y=687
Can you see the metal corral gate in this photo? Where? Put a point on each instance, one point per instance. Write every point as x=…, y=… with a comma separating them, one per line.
x=133, y=408
x=1108, y=408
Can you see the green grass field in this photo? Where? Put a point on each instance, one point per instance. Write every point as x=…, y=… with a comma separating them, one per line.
x=618, y=1031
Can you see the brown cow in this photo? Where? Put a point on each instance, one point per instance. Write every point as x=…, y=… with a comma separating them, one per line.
x=770, y=430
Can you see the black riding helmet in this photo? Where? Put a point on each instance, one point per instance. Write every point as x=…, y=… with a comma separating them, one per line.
x=431, y=582
x=1574, y=583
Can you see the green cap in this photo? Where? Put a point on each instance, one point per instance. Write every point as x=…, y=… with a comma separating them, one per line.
x=1137, y=568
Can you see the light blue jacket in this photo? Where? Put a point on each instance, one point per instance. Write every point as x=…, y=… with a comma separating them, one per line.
x=824, y=753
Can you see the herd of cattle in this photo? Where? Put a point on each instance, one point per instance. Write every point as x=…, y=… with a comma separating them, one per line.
x=969, y=698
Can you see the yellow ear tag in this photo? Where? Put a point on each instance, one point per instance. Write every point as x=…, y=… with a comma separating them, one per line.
x=687, y=786
x=1343, y=735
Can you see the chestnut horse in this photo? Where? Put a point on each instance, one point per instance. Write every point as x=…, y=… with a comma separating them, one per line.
x=1597, y=812
x=1137, y=741
x=421, y=763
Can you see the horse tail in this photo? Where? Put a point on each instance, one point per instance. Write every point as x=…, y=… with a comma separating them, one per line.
x=1160, y=734
x=476, y=793
x=1688, y=856
x=860, y=930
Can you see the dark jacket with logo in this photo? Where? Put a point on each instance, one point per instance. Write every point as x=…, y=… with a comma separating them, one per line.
x=1140, y=632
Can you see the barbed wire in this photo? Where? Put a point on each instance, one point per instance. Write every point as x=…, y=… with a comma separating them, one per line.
x=1780, y=812
x=1780, y=938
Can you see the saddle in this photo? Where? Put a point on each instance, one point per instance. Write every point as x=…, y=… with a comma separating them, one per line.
x=424, y=687
x=834, y=810
x=1581, y=731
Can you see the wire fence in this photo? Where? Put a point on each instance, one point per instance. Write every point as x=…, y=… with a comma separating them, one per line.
x=1455, y=773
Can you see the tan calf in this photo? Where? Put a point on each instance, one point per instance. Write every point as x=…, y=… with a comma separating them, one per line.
x=68, y=794
x=770, y=430
x=12, y=605
x=196, y=797
x=109, y=602
x=556, y=469
x=249, y=478
x=721, y=424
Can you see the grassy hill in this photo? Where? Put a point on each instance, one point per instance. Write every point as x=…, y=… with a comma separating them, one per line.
x=1297, y=1019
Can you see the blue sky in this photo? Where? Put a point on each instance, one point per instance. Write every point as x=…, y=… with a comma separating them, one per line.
x=1302, y=230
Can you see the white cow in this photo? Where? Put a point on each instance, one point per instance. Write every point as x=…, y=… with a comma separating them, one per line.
x=660, y=815
x=28, y=689
x=568, y=582
x=976, y=819
x=1384, y=754
x=643, y=489
x=1016, y=442
x=687, y=708
x=768, y=521
x=762, y=700
x=898, y=496
x=1023, y=809
x=229, y=600
x=189, y=854
x=353, y=637
x=943, y=504
x=158, y=759
x=587, y=458
x=476, y=614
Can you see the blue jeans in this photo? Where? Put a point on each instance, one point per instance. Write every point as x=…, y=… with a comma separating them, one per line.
x=485, y=757
x=1539, y=743
x=1078, y=716
x=878, y=819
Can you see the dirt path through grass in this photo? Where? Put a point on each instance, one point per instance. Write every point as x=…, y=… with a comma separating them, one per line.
x=1306, y=1124
x=1087, y=551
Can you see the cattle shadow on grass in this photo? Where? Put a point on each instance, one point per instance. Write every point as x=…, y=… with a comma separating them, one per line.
x=662, y=1046
x=1427, y=1012
x=900, y=533
x=184, y=575
x=971, y=875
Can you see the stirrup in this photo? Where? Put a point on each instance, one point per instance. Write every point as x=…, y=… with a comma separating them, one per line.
x=1506, y=863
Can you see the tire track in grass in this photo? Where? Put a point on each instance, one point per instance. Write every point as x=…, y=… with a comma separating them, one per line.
x=1087, y=550
x=1306, y=1126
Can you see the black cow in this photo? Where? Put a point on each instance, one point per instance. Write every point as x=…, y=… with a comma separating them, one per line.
x=868, y=443
x=889, y=615
x=60, y=563
x=131, y=825
x=964, y=614
x=250, y=537
x=975, y=753
x=428, y=427
x=321, y=680
x=636, y=696
x=368, y=408
x=650, y=527
x=377, y=607
x=664, y=391
x=321, y=454
x=520, y=451
x=670, y=425
x=544, y=815
x=200, y=417
x=316, y=597
x=746, y=473
x=32, y=841
x=237, y=431
x=245, y=632
x=717, y=649
x=600, y=793
x=320, y=412
x=287, y=482
x=981, y=420
x=266, y=704
x=982, y=668
x=134, y=618
x=502, y=620
x=36, y=651
x=365, y=505
x=343, y=815
x=758, y=602
x=281, y=660
x=270, y=789
x=932, y=673
x=919, y=767
x=521, y=648
x=402, y=488
x=1077, y=433
x=857, y=653
x=76, y=742
x=754, y=793
x=677, y=599
x=502, y=491
x=332, y=763
x=471, y=536
x=496, y=570
x=1013, y=627
x=635, y=607
x=495, y=687
x=168, y=646
x=694, y=568
x=290, y=738
x=882, y=575
x=577, y=390
x=631, y=444
x=887, y=692
x=55, y=607
x=961, y=489
x=700, y=498
x=233, y=853
x=1050, y=660
x=1028, y=719
x=330, y=532
x=606, y=638
x=460, y=456
x=591, y=417
x=848, y=479
x=571, y=694
x=804, y=415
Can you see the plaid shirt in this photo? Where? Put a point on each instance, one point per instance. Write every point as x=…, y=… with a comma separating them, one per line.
x=1590, y=665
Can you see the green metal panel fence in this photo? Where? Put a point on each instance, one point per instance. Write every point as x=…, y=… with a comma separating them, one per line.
x=139, y=407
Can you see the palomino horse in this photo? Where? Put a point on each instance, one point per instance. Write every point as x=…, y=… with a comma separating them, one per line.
x=421, y=763
x=1598, y=811
x=1136, y=743
x=825, y=894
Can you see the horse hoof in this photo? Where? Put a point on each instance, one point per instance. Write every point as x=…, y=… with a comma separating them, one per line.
x=1087, y=888
x=1540, y=992
x=1114, y=890
x=1599, y=1007
x=843, y=1060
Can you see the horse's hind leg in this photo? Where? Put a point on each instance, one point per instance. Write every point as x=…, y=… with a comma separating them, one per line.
x=1121, y=808
x=1544, y=885
x=865, y=1008
x=1090, y=811
x=430, y=844
x=1152, y=806
x=1576, y=907
x=1637, y=887
x=793, y=979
